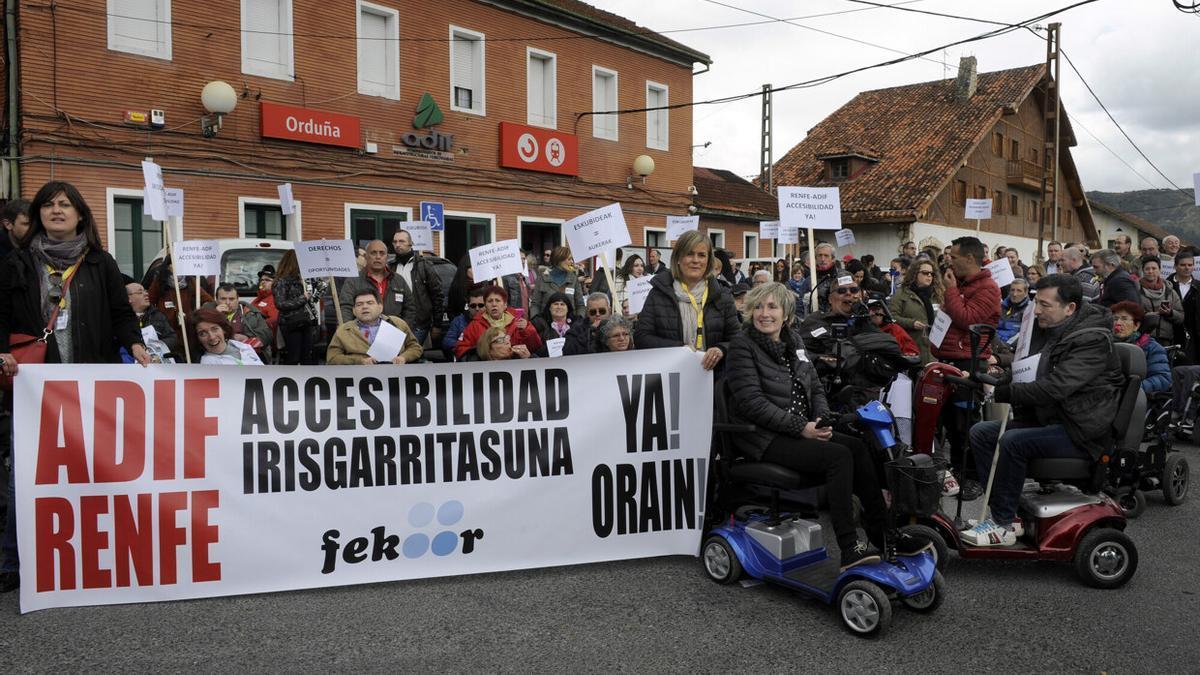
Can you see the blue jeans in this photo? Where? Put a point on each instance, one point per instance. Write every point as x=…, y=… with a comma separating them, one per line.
x=1018, y=446
x=419, y=334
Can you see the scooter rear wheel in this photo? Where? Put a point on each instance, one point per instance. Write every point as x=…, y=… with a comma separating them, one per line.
x=1106, y=558
x=941, y=552
x=1175, y=479
x=864, y=608
x=720, y=562
x=929, y=599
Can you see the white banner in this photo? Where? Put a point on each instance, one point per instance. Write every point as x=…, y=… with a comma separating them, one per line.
x=173, y=482
x=844, y=237
x=287, y=204
x=198, y=257
x=677, y=225
x=637, y=289
x=421, y=233
x=978, y=209
x=768, y=229
x=497, y=260
x=810, y=207
x=596, y=232
x=327, y=257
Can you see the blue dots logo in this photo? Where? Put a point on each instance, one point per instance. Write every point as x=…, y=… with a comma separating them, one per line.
x=443, y=543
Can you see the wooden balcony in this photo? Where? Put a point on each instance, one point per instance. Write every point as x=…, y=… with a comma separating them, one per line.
x=1025, y=174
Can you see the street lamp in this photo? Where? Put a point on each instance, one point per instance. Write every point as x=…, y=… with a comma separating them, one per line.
x=219, y=99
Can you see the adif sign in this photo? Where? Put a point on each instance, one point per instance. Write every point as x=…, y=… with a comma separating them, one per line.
x=810, y=208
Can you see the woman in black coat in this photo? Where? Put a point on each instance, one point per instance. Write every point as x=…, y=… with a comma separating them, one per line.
x=686, y=306
x=776, y=389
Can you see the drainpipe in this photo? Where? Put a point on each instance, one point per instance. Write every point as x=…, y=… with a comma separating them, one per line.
x=14, y=125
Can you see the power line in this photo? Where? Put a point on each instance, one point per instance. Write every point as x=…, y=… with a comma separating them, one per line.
x=821, y=31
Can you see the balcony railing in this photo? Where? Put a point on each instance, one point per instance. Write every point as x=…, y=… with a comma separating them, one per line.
x=1023, y=173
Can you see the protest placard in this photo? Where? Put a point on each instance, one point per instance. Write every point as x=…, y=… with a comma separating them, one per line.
x=555, y=347
x=1001, y=271
x=677, y=225
x=596, y=232
x=978, y=209
x=421, y=232
x=327, y=258
x=199, y=257
x=810, y=208
x=388, y=343
x=174, y=202
x=845, y=237
x=286, y=203
x=788, y=235
x=768, y=229
x=154, y=192
x=281, y=478
x=497, y=260
x=637, y=290
x=941, y=324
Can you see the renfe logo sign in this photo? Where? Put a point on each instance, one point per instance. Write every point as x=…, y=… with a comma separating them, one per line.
x=536, y=149
x=310, y=126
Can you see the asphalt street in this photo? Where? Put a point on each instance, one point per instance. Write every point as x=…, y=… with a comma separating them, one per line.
x=658, y=615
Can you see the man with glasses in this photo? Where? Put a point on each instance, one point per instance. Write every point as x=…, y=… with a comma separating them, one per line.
x=459, y=324
x=579, y=337
x=148, y=316
x=828, y=271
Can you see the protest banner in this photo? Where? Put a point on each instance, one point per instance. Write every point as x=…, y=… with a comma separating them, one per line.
x=421, y=233
x=978, y=208
x=596, y=232
x=326, y=258
x=768, y=229
x=677, y=225
x=810, y=208
x=173, y=482
x=198, y=257
x=497, y=260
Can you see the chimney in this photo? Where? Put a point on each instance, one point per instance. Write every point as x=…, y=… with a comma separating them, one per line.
x=964, y=87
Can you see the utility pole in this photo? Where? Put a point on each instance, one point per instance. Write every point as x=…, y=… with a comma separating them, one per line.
x=1052, y=127
x=766, y=158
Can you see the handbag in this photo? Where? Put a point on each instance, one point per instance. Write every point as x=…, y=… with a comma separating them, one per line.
x=30, y=349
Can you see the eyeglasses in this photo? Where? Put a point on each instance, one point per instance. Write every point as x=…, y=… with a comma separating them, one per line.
x=598, y=311
x=475, y=305
x=847, y=290
x=501, y=340
x=926, y=272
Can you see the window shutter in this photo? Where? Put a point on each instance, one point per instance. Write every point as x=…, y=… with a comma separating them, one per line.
x=537, y=90
x=373, y=66
x=136, y=22
x=264, y=26
x=464, y=63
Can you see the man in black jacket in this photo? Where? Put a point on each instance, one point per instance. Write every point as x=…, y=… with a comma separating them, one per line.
x=579, y=337
x=1117, y=285
x=1064, y=398
x=419, y=288
x=1185, y=286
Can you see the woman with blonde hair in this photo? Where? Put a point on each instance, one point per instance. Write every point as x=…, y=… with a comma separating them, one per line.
x=496, y=345
x=916, y=302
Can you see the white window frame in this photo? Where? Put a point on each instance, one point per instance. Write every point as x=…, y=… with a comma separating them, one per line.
x=248, y=68
x=653, y=142
x=350, y=207
x=480, y=93
x=616, y=131
x=111, y=194
x=646, y=238
x=530, y=54
x=294, y=232
x=720, y=242
x=163, y=51
x=749, y=250
x=392, y=16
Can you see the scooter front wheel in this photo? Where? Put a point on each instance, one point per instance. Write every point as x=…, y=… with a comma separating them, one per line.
x=1106, y=558
x=864, y=608
x=720, y=562
x=929, y=599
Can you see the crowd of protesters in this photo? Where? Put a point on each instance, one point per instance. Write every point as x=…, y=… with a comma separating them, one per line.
x=749, y=324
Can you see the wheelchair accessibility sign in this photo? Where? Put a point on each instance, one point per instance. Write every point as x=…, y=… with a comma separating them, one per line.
x=433, y=213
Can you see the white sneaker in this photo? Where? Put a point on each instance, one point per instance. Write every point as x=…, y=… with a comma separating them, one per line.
x=988, y=533
x=950, y=485
x=1016, y=526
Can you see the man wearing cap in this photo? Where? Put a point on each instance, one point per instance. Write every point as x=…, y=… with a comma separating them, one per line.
x=264, y=300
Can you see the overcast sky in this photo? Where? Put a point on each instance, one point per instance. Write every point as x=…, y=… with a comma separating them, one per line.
x=1141, y=57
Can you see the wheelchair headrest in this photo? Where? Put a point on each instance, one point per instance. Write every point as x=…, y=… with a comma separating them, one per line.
x=1133, y=359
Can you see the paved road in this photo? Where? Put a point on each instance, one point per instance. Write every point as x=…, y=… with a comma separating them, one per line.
x=649, y=616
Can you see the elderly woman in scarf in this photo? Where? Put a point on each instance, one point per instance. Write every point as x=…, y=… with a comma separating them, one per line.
x=1159, y=297
x=496, y=314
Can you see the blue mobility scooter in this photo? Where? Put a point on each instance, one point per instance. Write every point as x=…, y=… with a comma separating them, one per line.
x=789, y=550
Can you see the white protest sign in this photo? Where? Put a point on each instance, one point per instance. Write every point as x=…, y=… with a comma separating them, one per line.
x=174, y=202
x=900, y=396
x=546, y=442
x=810, y=207
x=1025, y=334
x=155, y=195
x=286, y=203
x=497, y=260
x=422, y=234
x=388, y=343
x=596, y=232
x=941, y=325
x=979, y=209
x=845, y=237
x=200, y=257
x=327, y=258
x=788, y=235
x=677, y=225
x=1002, y=272
x=637, y=290
x=1025, y=370
x=768, y=229
x=1167, y=265
x=555, y=347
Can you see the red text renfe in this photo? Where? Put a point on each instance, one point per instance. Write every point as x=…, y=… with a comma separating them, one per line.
x=146, y=535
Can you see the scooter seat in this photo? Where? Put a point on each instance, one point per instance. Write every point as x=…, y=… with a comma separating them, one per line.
x=1060, y=468
x=770, y=475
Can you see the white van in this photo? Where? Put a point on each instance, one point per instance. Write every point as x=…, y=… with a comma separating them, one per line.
x=241, y=261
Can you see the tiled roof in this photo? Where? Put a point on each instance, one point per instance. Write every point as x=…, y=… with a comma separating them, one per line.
x=619, y=24
x=1144, y=225
x=920, y=134
x=725, y=193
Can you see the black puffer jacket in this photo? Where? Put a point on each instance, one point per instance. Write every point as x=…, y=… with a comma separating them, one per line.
x=762, y=394
x=659, y=325
x=1077, y=383
x=101, y=319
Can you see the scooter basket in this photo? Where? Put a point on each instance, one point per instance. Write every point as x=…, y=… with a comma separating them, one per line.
x=916, y=484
